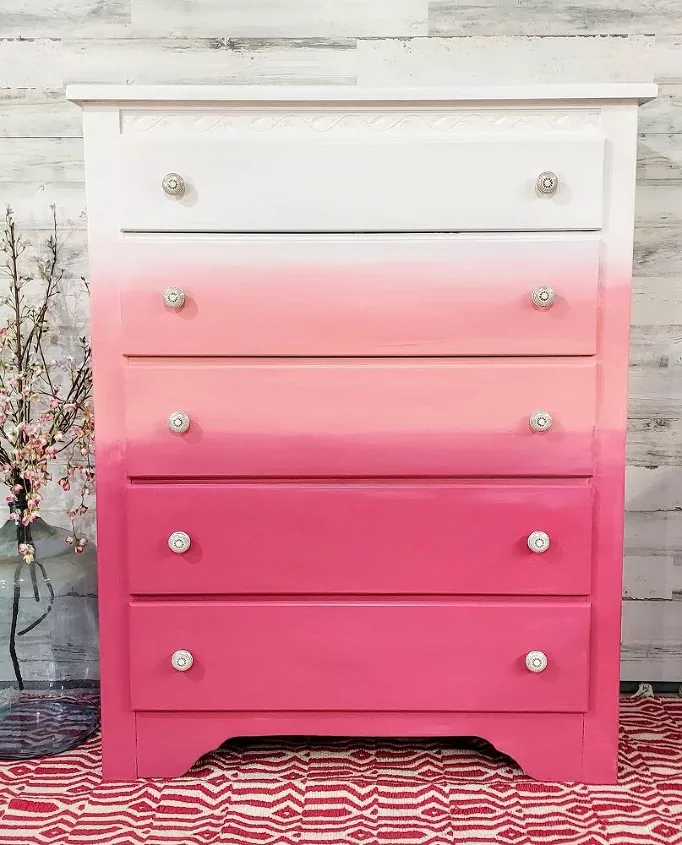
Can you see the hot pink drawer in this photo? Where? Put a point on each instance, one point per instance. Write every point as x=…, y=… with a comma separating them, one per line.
x=361, y=537
x=359, y=418
x=360, y=294
x=360, y=656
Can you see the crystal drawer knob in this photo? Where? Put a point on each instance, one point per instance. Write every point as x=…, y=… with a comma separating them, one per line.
x=540, y=420
x=538, y=541
x=179, y=542
x=536, y=661
x=547, y=183
x=182, y=660
x=178, y=422
x=173, y=184
x=543, y=297
x=175, y=297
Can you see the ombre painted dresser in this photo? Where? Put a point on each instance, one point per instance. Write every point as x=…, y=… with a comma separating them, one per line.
x=361, y=376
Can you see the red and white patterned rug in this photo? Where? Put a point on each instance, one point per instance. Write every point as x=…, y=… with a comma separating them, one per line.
x=355, y=792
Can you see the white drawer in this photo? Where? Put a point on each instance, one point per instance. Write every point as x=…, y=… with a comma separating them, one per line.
x=265, y=171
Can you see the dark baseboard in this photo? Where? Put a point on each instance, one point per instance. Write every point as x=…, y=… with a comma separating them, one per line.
x=53, y=685
x=659, y=687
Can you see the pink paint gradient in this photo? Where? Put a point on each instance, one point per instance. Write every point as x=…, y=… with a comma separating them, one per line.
x=389, y=295
x=376, y=504
x=370, y=665
x=372, y=500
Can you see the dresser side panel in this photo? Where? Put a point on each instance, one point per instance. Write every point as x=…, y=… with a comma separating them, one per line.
x=601, y=722
x=101, y=136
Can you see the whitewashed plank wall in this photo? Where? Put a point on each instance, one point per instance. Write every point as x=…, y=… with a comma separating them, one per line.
x=46, y=43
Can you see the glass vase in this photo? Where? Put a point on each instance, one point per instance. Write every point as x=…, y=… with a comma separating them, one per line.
x=48, y=644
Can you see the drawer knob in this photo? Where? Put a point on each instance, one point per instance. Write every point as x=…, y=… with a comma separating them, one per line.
x=543, y=296
x=178, y=422
x=538, y=541
x=547, y=183
x=536, y=661
x=541, y=421
x=182, y=660
x=173, y=184
x=179, y=542
x=175, y=297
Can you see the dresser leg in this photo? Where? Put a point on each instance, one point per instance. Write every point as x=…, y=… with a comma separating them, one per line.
x=600, y=754
x=565, y=760
x=119, y=748
x=169, y=744
x=119, y=769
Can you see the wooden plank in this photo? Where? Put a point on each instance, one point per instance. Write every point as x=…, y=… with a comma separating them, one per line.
x=651, y=576
x=39, y=18
x=658, y=204
x=652, y=644
x=41, y=161
x=31, y=203
x=654, y=442
x=284, y=19
x=654, y=394
x=650, y=533
x=533, y=17
x=38, y=113
x=655, y=347
x=668, y=57
x=431, y=61
x=653, y=489
x=659, y=158
x=217, y=60
x=664, y=114
x=73, y=256
x=656, y=300
x=30, y=63
x=656, y=439
x=657, y=251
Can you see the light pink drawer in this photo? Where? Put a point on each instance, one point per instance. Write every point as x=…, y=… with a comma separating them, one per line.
x=360, y=656
x=360, y=537
x=359, y=418
x=360, y=294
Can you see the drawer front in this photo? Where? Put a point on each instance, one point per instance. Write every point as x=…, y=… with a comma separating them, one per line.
x=319, y=182
x=360, y=418
x=360, y=295
x=360, y=537
x=352, y=656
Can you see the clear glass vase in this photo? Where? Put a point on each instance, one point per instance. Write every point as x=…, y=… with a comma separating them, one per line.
x=48, y=644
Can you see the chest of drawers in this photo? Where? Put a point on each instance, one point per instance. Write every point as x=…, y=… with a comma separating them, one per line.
x=361, y=378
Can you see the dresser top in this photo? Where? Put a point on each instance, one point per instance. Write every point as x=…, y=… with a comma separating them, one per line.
x=96, y=93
